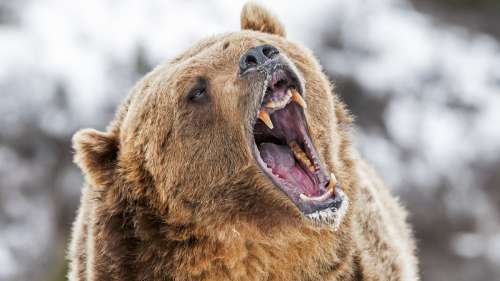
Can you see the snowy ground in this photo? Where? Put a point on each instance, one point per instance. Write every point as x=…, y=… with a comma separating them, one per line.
x=427, y=97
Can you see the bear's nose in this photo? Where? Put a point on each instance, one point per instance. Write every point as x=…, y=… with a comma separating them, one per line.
x=256, y=56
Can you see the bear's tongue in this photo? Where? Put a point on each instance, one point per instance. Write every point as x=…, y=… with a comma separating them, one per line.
x=280, y=159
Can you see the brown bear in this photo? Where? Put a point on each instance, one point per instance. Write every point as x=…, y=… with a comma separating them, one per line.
x=233, y=161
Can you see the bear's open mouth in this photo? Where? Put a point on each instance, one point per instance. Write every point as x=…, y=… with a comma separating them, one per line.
x=285, y=152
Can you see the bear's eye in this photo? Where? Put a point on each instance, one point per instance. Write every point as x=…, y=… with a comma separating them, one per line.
x=198, y=94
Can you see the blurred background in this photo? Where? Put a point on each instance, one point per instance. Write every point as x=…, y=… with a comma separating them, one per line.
x=422, y=77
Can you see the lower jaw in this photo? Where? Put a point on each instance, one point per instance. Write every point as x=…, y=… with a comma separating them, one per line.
x=313, y=210
x=333, y=202
x=334, y=215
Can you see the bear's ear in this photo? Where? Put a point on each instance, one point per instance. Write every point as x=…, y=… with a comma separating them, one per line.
x=255, y=17
x=96, y=154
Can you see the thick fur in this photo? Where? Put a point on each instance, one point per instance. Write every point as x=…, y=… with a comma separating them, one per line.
x=173, y=191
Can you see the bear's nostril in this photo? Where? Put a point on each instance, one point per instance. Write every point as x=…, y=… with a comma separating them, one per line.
x=251, y=60
x=269, y=51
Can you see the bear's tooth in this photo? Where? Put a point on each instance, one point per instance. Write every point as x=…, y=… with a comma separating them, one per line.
x=301, y=155
x=288, y=97
x=304, y=197
x=333, y=182
x=280, y=103
x=264, y=116
x=296, y=97
x=271, y=104
x=319, y=198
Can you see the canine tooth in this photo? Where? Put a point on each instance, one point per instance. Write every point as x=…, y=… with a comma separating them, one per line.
x=296, y=97
x=264, y=116
x=333, y=182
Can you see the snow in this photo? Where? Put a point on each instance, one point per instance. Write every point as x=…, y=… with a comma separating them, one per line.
x=394, y=51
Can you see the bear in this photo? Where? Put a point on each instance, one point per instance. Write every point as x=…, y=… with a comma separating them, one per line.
x=234, y=161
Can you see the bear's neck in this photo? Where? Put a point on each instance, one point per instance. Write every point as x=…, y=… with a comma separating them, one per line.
x=231, y=253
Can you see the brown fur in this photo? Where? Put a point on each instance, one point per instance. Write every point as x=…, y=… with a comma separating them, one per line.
x=173, y=191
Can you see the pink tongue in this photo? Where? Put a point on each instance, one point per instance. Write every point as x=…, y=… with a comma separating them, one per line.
x=281, y=161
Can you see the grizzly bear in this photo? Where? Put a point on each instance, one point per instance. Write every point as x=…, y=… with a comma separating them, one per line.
x=233, y=161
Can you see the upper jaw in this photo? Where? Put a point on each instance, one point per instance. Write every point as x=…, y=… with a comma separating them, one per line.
x=283, y=149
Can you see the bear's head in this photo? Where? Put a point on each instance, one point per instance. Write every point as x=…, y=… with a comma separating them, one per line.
x=239, y=138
